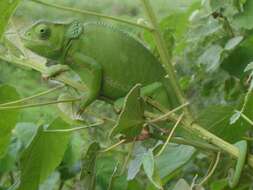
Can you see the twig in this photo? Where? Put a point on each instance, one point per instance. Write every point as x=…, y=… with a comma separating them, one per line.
x=113, y=146
x=38, y=104
x=212, y=170
x=170, y=135
x=32, y=97
x=85, y=12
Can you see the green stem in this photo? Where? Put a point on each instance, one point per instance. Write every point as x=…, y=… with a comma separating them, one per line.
x=85, y=12
x=204, y=134
x=32, y=97
x=37, y=105
x=161, y=46
x=42, y=69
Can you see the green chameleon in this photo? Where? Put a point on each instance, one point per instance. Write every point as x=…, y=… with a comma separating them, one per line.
x=108, y=60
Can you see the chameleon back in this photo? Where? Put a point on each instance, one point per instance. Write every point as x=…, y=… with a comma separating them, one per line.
x=125, y=61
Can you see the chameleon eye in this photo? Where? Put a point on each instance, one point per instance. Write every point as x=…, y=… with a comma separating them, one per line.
x=43, y=31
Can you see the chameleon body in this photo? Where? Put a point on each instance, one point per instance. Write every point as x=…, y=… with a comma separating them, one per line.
x=108, y=60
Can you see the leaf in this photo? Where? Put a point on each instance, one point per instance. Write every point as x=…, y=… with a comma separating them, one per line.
x=216, y=119
x=211, y=58
x=249, y=67
x=7, y=7
x=173, y=158
x=136, y=163
x=131, y=120
x=232, y=43
x=244, y=19
x=219, y=185
x=8, y=118
x=43, y=155
x=88, y=174
x=149, y=168
x=182, y=185
x=234, y=117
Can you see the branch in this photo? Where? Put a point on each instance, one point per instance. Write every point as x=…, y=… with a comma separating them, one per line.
x=85, y=12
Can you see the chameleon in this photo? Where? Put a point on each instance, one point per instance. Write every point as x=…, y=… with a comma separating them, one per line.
x=109, y=60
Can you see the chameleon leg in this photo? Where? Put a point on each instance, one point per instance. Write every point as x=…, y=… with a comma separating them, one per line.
x=234, y=175
x=55, y=70
x=91, y=74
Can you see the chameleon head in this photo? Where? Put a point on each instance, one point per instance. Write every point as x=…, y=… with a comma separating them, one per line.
x=45, y=38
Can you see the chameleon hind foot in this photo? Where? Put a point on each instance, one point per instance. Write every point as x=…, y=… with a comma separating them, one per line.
x=55, y=70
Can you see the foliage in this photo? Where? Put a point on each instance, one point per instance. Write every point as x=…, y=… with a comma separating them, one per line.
x=210, y=46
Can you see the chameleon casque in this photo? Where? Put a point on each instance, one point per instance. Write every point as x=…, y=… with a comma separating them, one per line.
x=108, y=60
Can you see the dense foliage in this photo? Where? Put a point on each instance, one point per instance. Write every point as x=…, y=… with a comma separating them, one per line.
x=208, y=44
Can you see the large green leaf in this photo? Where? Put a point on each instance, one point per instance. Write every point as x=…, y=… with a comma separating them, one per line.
x=8, y=118
x=7, y=7
x=43, y=155
x=217, y=120
x=173, y=157
x=244, y=19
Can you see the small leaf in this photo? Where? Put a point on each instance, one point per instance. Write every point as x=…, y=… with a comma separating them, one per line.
x=131, y=120
x=249, y=67
x=235, y=117
x=244, y=19
x=8, y=118
x=182, y=185
x=211, y=58
x=43, y=155
x=232, y=43
x=88, y=174
x=149, y=168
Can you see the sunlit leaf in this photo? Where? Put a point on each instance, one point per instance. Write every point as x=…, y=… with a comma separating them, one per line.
x=8, y=118
x=43, y=155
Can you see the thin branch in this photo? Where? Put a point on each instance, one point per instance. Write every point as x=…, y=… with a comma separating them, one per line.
x=33, y=96
x=212, y=170
x=38, y=104
x=91, y=13
x=165, y=116
x=73, y=129
x=165, y=57
x=113, y=146
x=170, y=135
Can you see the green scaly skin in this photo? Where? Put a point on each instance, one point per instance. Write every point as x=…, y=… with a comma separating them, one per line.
x=109, y=61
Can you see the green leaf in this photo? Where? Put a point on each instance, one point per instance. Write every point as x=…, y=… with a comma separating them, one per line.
x=131, y=120
x=8, y=118
x=244, y=19
x=232, y=43
x=173, y=158
x=88, y=174
x=7, y=7
x=150, y=170
x=182, y=185
x=43, y=155
x=219, y=185
x=211, y=58
x=217, y=120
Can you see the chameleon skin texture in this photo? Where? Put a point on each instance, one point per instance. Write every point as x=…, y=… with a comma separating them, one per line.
x=123, y=60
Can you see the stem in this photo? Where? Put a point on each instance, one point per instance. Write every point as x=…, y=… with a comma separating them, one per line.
x=85, y=12
x=38, y=105
x=113, y=146
x=203, y=133
x=32, y=97
x=73, y=129
x=170, y=135
x=212, y=170
x=165, y=57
